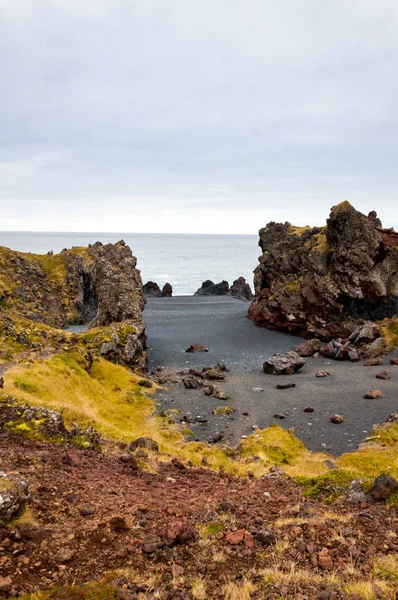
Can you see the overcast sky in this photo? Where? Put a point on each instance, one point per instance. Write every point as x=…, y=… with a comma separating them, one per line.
x=196, y=115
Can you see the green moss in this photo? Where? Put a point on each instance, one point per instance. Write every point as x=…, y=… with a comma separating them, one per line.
x=224, y=410
x=5, y=484
x=345, y=205
x=209, y=530
x=330, y=485
x=298, y=230
x=25, y=386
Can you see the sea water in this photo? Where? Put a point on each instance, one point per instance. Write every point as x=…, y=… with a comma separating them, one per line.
x=184, y=260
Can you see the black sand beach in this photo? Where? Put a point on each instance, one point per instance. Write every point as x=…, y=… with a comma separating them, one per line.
x=221, y=324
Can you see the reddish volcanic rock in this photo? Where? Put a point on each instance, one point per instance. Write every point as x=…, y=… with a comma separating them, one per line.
x=321, y=282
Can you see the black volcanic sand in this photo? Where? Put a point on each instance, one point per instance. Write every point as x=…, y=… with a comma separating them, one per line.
x=221, y=324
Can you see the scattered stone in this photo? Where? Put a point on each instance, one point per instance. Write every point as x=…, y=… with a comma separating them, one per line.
x=14, y=493
x=372, y=362
x=200, y=419
x=377, y=349
x=223, y=410
x=118, y=524
x=214, y=374
x=191, y=383
x=64, y=555
x=151, y=544
x=308, y=409
x=279, y=416
x=325, y=561
x=322, y=374
x=384, y=374
x=265, y=537
x=5, y=584
x=353, y=355
x=87, y=511
x=257, y=390
x=215, y=439
x=365, y=334
x=284, y=364
x=245, y=413
x=145, y=383
x=144, y=442
x=373, y=395
x=1, y=382
x=308, y=348
x=285, y=386
x=336, y=419
x=355, y=494
x=327, y=351
x=197, y=348
x=235, y=537
x=213, y=390
x=179, y=532
x=394, y=361
x=178, y=464
x=383, y=487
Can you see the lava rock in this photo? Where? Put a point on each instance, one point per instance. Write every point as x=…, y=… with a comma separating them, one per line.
x=209, y=288
x=240, y=289
x=197, y=348
x=384, y=374
x=336, y=419
x=284, y=364
x=151, y=290
x=167, y=290
x=373, y=395
x=383, y=487
x=144, y=442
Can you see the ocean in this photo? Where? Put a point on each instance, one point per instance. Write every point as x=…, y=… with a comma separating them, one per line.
x=184, y=260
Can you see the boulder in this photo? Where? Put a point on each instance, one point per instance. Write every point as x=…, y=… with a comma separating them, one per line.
x=144, y=442
x=308, y=348
x=365, y=334
x=14, y=494
x=197, y=348
x=373, y=395
x=151, y=290
x=383, y=487
x=240, y=289
x=209, y=288
x=284, y=364
x=167, y=290
x=384, y=374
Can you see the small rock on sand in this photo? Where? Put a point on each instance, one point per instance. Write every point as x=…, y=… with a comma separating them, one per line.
x=394, y=361
x=197, y=348
x=336, y=419
x=384, y=374
x=373, y=395
x=309, y=409
x=279, y=416
x=322, y=374
x=285, y=386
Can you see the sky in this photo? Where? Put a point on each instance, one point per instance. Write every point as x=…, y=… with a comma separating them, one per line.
x=197, y=116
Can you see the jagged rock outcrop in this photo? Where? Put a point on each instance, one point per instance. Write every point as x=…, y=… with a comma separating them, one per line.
x=100, y=285
x=240, y=289
x=14, y=493
x=324, y=282
x=151, y=289
x=167, y=290
x=209, y=288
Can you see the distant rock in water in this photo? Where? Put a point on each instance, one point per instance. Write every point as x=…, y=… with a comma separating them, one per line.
x=151, y=290
x=167, y=290
x=325, y=281
x=213, y=289
x=240, y=289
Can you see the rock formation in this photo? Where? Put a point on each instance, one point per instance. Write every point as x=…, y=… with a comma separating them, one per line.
x=209, y=288
x=99, y=285
x=240, y=289
x=324, y=281
x=151, y=290
x=167, y=290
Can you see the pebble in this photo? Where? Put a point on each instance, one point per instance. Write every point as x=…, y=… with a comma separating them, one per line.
x=279, y=416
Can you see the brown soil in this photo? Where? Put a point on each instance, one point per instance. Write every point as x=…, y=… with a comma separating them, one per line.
x=91, y=514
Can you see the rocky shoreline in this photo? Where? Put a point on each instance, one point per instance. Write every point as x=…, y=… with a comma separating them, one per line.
x=125, y=484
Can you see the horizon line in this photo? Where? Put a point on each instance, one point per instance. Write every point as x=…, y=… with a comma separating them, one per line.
x=118, y=233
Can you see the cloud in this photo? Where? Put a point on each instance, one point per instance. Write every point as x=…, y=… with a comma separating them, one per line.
x=179, y=112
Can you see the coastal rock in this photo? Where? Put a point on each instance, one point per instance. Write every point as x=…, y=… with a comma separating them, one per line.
x=167, y=290
x=14, y=494
x=285, y=386
x=98, y=286
x=365, y=334
x=308, y=348
x=197, y=348
x=240, y=289
x=321, y=282
x=283, y=364
x=394, y=361
x=151, y=290
x=209, y=288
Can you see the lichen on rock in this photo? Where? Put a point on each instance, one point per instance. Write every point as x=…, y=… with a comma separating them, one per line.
x=324, y=282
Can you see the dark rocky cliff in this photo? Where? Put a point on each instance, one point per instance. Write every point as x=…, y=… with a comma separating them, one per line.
x=322, y=281
x=99, y=285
